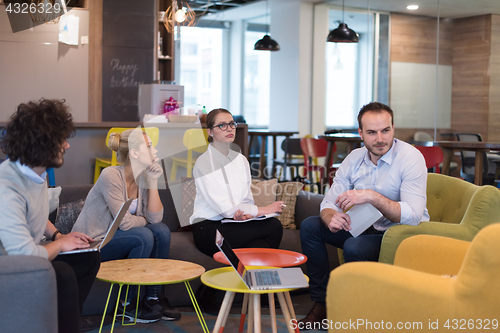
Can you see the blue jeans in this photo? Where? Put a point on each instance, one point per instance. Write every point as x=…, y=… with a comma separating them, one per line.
x=151, y=241
x=314, y=236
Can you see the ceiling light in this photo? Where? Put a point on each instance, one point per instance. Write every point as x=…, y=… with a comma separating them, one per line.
x=266, y=43
x=412, y=7
x=180, y=14
x=343, y=34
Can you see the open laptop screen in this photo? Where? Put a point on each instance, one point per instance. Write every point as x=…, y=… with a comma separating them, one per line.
x=229, y=253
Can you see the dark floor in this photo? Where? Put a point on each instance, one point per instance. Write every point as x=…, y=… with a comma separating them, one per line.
x=189, y=322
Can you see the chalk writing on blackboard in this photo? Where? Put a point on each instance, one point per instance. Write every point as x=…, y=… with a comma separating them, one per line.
x=119, y=100
x=123, y=75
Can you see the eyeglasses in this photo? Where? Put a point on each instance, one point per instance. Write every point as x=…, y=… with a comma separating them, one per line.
x=224, y=126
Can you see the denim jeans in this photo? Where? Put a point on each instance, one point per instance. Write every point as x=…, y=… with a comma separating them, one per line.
x=151, y=241
x=314, y=236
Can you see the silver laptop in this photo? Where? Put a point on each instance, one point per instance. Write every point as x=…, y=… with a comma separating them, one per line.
x=262, y=279
x=99, y=244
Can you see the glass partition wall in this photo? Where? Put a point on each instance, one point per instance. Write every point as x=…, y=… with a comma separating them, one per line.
x=439, y=72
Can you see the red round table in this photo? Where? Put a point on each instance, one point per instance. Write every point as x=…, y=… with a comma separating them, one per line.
x=264, y=257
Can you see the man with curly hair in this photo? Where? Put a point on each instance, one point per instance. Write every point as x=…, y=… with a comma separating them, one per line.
x=35, y=139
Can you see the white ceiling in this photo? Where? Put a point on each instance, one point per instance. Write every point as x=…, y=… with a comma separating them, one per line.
x=255, y=11
x=447, y=8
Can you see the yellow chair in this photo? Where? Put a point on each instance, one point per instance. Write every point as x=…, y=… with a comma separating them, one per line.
x=464, y=293
x=196, y=140
x=101, y=163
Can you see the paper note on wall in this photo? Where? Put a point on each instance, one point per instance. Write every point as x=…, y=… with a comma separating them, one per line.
x=68, y=29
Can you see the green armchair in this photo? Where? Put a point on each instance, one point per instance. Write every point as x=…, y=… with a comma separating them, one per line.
x=457, y=209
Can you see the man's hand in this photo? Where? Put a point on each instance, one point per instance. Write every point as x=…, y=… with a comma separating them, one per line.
x=241, y=216
x=340, y=221
x=74, y=240
x=353, y=197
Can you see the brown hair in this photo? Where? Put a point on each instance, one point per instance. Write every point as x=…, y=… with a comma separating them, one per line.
x=211, y=119
x=36, y=132
x=374, y=107
x=121, y=143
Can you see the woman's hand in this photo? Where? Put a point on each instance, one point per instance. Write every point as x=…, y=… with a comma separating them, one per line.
x=241, y=216
x=153, y=172
x=275, y=207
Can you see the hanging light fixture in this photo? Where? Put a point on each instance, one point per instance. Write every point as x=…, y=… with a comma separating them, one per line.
x=266, y=43
x=179, y=13
x=343, y=34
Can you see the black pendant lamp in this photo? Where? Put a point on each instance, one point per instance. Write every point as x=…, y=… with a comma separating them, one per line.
x=266, y=43
x=343, y=34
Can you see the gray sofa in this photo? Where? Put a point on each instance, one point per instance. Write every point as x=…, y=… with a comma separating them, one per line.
x=182, y=248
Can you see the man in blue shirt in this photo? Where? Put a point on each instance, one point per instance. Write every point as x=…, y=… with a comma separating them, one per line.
x=389, y=174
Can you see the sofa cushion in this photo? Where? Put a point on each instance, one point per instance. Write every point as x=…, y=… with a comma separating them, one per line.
x=67, y=215
x=307, y=205
x=288, y=192
x=264, y=192
x=188, y=195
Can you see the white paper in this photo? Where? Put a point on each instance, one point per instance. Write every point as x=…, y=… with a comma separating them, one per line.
x=68, y=29
x=362, y=217
x=262, y=217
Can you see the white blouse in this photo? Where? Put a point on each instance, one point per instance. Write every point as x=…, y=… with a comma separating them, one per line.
x=223, y=186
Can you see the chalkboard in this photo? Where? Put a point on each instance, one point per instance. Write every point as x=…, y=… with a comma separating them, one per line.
x=127, y=56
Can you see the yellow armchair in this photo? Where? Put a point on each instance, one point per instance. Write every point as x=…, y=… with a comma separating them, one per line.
x=371, y=296
x=457, y=209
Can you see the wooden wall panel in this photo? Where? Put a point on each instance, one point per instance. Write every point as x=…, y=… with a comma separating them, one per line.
x=471, y=76
x=494, y=94
x=95, y=60
x=413, y=39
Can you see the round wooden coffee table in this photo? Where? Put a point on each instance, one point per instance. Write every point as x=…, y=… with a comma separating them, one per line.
x=141, y=272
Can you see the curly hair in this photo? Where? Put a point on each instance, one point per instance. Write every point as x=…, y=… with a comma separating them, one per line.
x=374, y=107
x=36, y=132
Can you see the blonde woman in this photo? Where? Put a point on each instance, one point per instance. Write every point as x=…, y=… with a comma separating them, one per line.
x=141, y=233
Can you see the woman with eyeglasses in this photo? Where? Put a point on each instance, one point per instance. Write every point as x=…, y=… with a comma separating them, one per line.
x=222, y=177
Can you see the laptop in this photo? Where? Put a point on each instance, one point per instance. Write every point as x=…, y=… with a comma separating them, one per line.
x=99, y=244
x=262, y=279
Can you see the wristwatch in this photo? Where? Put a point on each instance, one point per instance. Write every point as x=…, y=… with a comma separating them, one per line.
x=55, y=234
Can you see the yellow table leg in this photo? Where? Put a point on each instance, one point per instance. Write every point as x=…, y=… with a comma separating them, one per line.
x=196, y=307
x=106, y=308
x=136, y=306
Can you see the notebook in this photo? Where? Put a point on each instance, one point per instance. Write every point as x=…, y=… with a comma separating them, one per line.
x=262, y=279
x=99, y=244
x=362, y=217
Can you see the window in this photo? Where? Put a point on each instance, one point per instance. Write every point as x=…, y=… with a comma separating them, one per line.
x=350, y=68
x=257, y=80
x=201, y=66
